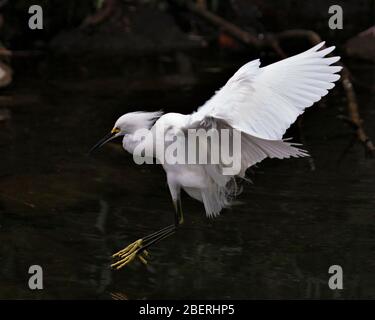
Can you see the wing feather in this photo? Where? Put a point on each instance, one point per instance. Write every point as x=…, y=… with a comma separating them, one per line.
x=264, y=102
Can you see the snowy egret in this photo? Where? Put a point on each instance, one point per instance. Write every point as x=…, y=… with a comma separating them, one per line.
x=259, y=102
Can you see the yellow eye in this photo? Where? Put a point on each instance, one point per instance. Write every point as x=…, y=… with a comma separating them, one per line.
x=115, y=130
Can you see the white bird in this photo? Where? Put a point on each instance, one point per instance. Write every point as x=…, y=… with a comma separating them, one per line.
x=259, y=102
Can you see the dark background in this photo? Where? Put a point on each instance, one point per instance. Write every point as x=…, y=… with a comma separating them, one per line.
x=63, y=88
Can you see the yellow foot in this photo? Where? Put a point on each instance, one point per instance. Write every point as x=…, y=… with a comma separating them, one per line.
x=128, y=254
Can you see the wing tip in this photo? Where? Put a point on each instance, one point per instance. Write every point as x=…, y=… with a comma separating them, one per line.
x=339, y=68
x=318, y=46
x=336, y=58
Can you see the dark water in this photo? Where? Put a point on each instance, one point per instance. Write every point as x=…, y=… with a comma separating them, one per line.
x=68, y=212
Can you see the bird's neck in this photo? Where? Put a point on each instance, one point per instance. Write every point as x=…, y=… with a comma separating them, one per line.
x=130, y=142
x=138, y=141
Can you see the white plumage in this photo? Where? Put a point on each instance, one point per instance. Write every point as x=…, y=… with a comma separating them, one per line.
x=261, y=103
x=264, y=102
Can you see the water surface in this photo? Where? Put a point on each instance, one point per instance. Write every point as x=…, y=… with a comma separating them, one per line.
x=68, y=212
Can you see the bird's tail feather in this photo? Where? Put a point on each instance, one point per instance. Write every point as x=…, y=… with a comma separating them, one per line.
x=222, y=189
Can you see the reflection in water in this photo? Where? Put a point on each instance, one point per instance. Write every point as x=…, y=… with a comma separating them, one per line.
x=68, y=212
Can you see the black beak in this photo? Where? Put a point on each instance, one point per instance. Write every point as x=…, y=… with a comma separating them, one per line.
x=103, y=141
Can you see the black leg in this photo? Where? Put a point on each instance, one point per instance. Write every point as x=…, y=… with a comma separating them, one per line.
x=179, y=217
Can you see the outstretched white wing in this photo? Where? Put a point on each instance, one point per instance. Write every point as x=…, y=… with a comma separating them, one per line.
x=264, y=102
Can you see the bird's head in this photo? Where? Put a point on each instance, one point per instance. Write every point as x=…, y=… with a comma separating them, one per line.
x=127, y=124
